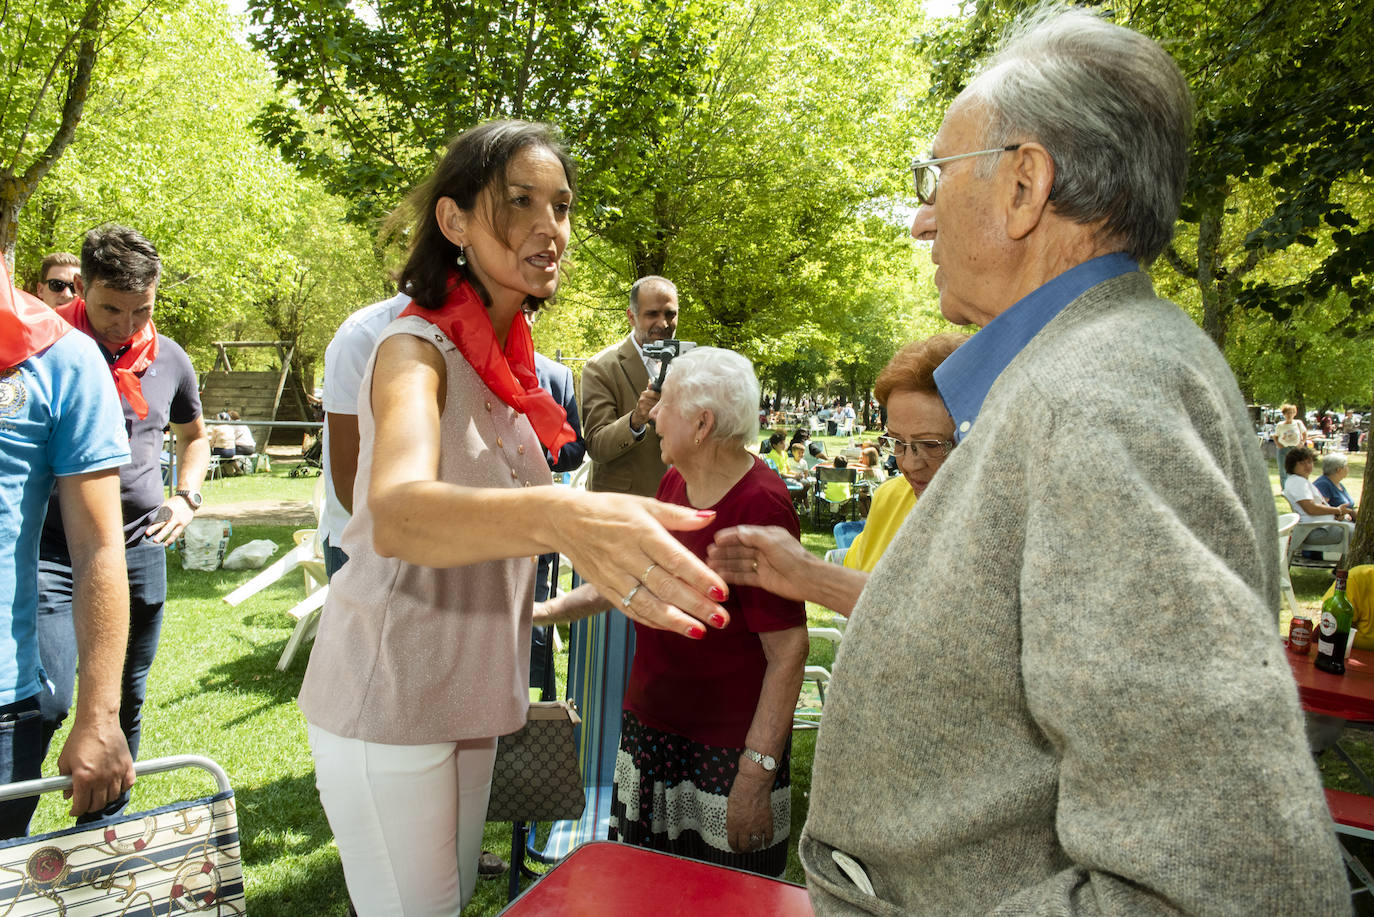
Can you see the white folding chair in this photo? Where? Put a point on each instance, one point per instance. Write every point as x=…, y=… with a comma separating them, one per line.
x=1327, y=555
x=806, y=719
x=1287, y=522
x=310, y=544
x=272, y=572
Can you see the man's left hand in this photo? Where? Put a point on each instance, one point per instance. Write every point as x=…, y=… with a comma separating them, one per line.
x=173, y=516
x=96, y=756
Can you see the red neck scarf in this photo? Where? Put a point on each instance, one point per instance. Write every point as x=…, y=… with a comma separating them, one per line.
x=27, y=325
x=509, y=374
x=140, y=353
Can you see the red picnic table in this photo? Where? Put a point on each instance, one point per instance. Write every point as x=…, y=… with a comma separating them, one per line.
x=1349, y=696
x=607, y=879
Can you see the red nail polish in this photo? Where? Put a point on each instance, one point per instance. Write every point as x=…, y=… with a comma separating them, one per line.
x=697, y=632
x=716, y=593
x=706, y=514
x=717, y=620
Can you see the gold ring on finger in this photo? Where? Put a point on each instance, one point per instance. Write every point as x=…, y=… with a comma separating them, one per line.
x=644, y=577
x=630, y=596
x=756, y=566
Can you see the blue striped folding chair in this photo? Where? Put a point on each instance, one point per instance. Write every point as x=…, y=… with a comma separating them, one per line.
x=600, y=651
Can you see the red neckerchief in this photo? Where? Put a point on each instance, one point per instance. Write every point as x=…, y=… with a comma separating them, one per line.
x=140, y=353
x=509, y=374
x=27, y=325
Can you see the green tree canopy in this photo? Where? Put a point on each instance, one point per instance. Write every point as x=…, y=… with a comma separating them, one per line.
x=1276, y=215
x=249, y=247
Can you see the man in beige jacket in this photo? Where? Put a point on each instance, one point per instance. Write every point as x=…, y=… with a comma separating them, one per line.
x=617, y=397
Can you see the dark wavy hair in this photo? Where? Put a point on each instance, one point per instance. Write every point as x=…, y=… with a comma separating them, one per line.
x=119, y=257
x=1295, y=455
x=476, y=159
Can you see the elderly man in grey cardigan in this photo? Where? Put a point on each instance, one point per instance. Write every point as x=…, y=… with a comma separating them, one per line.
x=1062, y=691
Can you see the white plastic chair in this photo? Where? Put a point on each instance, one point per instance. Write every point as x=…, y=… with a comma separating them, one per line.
x=310, y=554
x=308, y=548
x=272, y=572
x=1287, y=522
x=1330, y=553
x=820, y=675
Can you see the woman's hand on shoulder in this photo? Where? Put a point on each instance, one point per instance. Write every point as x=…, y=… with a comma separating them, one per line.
x=622, y=545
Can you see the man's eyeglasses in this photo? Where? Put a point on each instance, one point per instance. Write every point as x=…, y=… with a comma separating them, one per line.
x=932, y=450
x=926, y=172
x=57, y=286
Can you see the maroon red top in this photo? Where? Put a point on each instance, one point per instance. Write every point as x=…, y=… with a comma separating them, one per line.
x=707, y=689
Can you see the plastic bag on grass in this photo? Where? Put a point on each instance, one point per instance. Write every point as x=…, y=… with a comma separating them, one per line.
x=250, y=556
x=203, y=543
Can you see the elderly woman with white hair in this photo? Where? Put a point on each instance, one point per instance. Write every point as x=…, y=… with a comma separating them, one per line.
x=1335, y=467
x=703, y=768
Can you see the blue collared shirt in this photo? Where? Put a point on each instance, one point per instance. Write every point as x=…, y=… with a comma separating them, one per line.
x=967, y=375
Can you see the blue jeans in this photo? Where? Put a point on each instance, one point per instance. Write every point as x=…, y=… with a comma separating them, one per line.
x=541, y=664
x=21, y=758
x=147, y=563
x=1283, y=472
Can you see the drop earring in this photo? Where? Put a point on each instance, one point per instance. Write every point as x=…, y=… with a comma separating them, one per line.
x=462, y=258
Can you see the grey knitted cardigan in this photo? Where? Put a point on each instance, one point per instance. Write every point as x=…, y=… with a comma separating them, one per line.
x=1063, y=691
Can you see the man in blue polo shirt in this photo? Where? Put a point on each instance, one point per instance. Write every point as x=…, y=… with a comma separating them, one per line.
x=157, y=387
x=59, y=423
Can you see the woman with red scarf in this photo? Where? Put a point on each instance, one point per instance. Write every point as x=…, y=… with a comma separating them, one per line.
x=422, y=654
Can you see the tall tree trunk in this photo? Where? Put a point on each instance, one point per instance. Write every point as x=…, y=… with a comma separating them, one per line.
x=1209, y=283
x=12, y=197
x=1362, y=545
x=15, y=190
x=1216, y=283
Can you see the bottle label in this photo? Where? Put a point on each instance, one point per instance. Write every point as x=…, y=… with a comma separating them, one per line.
x=1324, y=648
x=1328, y=624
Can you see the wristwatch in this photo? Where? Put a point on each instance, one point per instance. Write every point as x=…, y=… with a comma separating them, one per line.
x=193, y=498
x=764, y=761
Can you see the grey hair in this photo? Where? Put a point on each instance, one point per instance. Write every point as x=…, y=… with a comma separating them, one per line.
x=1333, y=462
x=722, y=382
x=649, y=280
x=1112, y=109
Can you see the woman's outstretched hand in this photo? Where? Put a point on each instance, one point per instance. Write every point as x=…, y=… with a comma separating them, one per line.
x=622, y=545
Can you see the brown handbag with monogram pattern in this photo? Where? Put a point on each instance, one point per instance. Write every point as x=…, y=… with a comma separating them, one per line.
x=536, y=777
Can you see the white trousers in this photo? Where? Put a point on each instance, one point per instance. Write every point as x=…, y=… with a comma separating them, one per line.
x=407, y=818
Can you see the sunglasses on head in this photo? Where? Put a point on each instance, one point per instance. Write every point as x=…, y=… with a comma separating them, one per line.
x=57, y=286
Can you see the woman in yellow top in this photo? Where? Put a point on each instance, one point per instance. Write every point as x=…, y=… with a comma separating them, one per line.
x=1359, y=589
x=920, y=433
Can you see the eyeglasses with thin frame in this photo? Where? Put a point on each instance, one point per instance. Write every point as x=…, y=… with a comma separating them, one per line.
x=926, y=172
x=931, y=450
x=57, y=286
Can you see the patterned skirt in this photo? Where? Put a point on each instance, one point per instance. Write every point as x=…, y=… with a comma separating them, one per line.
x=671, y=795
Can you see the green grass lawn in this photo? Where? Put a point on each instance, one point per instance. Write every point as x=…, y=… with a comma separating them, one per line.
x=215, y=690
x=274, y=485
